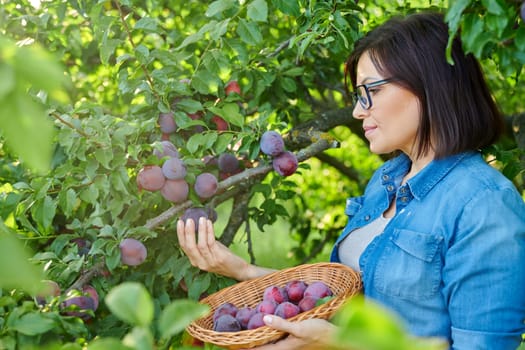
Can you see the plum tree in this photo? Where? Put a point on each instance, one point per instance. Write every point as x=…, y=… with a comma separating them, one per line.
x=132, y=252
x=285, y=164
x=174, y=169
x=206, y=185
x=271, y=143
x=150, y=178
x=167, y=123
x=175, y=191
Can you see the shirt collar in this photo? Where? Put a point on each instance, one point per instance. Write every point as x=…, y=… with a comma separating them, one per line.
x=428, y=177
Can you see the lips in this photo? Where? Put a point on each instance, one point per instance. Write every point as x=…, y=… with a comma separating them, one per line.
x=369, y=129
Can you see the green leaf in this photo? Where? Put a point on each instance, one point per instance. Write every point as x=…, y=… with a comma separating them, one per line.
x=43, y=212
x=216, y=62
x=249, y=32
x=33, y=323
x=16, y=271
x=131, y=303
x=258, y=10
x=178, y=315
x=107, y=343
x=198, y=285
x=204, y=82
x=7, y=79
x=107, y=48
x=496, y=7
x=140, y=338
x=219, y=6
x=288, y=7
x=147, y=23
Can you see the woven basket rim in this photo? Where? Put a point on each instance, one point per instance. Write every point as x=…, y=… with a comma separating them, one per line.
x=335, y=273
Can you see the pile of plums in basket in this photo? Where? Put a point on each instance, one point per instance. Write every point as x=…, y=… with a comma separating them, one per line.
x=287, y=301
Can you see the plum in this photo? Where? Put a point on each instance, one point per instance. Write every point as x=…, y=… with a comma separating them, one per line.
x=243, y=316
x=287, y=310
x=256, y=321
x=266, y=307
x=194, y=213
x=275, y=293
x=132, y=252
x=205, y=185
x=50, y=289
x=165, y=149
x=232, y=87
x=226, y=323
x=285, y=164
x=225, y=309
x=228, y=163
x=307, y=303
x=175, y=191
x=174, y=169
x=220, y=123
x=150, y=178
x=78, y=306
x=295, y=290
x=272, y=143
x=318, y=289
x=167, y=123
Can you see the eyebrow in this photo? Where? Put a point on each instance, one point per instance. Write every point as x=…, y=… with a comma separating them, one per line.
x=365, y=80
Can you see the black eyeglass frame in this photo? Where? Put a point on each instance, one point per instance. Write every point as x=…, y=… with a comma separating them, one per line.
x=358, y=97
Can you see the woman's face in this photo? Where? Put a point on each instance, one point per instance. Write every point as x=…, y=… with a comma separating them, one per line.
x=392, y=122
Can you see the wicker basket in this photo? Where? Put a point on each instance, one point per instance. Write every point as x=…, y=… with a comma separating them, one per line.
x=342, y=280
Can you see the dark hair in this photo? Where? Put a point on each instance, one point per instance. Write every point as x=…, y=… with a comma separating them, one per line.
x=458, y=112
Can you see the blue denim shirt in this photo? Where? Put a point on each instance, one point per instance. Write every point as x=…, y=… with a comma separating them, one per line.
x=451, y=262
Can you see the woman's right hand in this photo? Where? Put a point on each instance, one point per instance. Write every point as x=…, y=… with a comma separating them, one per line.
x=208, y=254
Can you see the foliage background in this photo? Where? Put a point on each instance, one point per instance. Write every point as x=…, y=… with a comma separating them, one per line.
x=127, y=61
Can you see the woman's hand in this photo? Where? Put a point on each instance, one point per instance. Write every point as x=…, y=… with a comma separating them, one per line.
x=311, y=334
x=210, y=255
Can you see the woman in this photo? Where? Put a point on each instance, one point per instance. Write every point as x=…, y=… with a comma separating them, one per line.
x=439, y=235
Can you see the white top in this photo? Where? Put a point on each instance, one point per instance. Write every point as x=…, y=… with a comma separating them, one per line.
x=351, y=248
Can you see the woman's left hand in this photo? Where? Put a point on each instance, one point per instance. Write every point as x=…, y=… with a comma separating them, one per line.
x=301, y=334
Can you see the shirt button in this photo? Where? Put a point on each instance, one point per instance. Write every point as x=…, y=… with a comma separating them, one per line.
x=402, y=190
x=390, y=188
x=367, y=217
x=404, y=199
x=385, y=177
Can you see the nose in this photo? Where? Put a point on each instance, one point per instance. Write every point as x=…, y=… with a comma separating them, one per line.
x=359, y=112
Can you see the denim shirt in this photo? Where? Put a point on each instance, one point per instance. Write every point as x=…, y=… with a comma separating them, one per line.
x=451, y=262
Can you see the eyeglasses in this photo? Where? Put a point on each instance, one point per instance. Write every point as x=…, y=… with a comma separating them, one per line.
x=362, y=92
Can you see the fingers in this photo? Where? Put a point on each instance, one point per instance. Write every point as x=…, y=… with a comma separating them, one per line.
x=279, y=323
x=198, y=246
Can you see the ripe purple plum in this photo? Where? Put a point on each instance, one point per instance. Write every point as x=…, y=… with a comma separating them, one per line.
x=272, y=143
x=79, y=306
x=307, y=303
x=220, y=123
x=228, y=163
x=167, y=123
x=275, y=293
x=174, y=169
x=150, y=178
x=175, y=191
x=295, y=290
x=226, y=323
x=225, y=309
x=165, y=149
x=266, y=307
x=285, y=164
x=318, y=289
x=206, y=185
x=256, y=321
x=287, y=310
x=132, y=252
x=91, y=292
x=194, y=213
x=244, y=315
